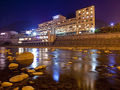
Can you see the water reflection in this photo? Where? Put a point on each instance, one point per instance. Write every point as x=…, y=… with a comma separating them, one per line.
x=83, y=70
x=39, y=55
x=56, y=66
x=2, y=58
x=111, y=58
x=94, y=62
x=56, y=70
x=20, y=50
x=35, y=51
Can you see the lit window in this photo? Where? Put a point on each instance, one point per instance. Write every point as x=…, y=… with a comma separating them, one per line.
x=25, y=39
x=79, y=25
x=91, y=16
x=2, y=33
x=21, y=39
x=19, y=42
x=87, y=13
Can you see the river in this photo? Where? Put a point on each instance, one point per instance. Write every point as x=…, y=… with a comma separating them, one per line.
x=69, y=69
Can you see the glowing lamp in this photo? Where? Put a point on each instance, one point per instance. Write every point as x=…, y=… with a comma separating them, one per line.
x=112, y=24
x=93, y=30
x=34, y=33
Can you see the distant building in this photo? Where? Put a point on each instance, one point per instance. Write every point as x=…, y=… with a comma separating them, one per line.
x=8, y=37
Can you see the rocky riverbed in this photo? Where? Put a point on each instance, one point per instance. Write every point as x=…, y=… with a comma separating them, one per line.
x=59, y=69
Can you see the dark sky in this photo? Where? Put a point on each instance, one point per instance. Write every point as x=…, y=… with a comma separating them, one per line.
x=37, y=11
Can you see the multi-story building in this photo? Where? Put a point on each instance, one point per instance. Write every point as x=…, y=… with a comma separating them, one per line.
x=8, y=37
x=85, y=19
x=84, y=22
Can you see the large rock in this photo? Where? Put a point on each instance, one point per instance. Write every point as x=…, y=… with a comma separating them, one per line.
x=18, y=78
x=28, y=88
x=6, y=84
x=13, y=66
x=25, y=58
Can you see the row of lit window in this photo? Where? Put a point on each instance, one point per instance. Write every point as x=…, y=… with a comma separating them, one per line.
x=85, y=17
x=87, y=9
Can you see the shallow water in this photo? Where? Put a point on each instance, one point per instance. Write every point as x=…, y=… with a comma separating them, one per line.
x=91, y=71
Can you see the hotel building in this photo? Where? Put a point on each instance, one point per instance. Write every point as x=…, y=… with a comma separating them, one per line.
x=84, y=22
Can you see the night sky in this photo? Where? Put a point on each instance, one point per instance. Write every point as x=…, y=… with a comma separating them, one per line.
x=38, y=11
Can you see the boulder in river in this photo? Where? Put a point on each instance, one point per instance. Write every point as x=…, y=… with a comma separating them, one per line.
x=6, y=84
x=37, y=73
x=40, y=67
x=28, y=88
x=18, y=78
x=75, y=58
x=31, y=71
x=118, y=67
x=13, y=66
x=25, y=58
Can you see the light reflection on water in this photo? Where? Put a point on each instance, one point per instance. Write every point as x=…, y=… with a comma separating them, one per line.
x=2, y=58
x=82, y=70
x=56, y=67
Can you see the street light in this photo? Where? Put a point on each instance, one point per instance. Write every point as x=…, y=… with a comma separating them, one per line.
x=112, y=24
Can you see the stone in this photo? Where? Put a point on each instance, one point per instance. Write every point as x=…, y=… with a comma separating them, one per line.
x=37, y=73
x=28, y=88
x=75, y=58
x=40, y=67
x=6, y=84
x=31, y=82
x=31, y=71
x=85, y=51
x=24, y=69
x=10, y=58
x=13, y=66
x=98, y=52
x=69, y=62
x=25, y=58
x=18, y=78
x=118, y=67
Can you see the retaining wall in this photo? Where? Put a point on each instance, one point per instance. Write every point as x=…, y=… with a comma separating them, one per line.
x=92, y=40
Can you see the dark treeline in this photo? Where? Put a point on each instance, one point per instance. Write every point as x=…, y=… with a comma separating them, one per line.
x=109, y=29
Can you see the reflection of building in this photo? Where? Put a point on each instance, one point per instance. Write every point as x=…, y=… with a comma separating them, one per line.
x=82, y=23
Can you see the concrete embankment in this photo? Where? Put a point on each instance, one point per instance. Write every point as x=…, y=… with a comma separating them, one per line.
x=93, y=40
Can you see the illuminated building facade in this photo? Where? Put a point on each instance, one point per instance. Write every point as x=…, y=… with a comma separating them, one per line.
x=84, y=22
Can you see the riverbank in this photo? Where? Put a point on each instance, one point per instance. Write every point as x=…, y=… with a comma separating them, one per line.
x=66, y=47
